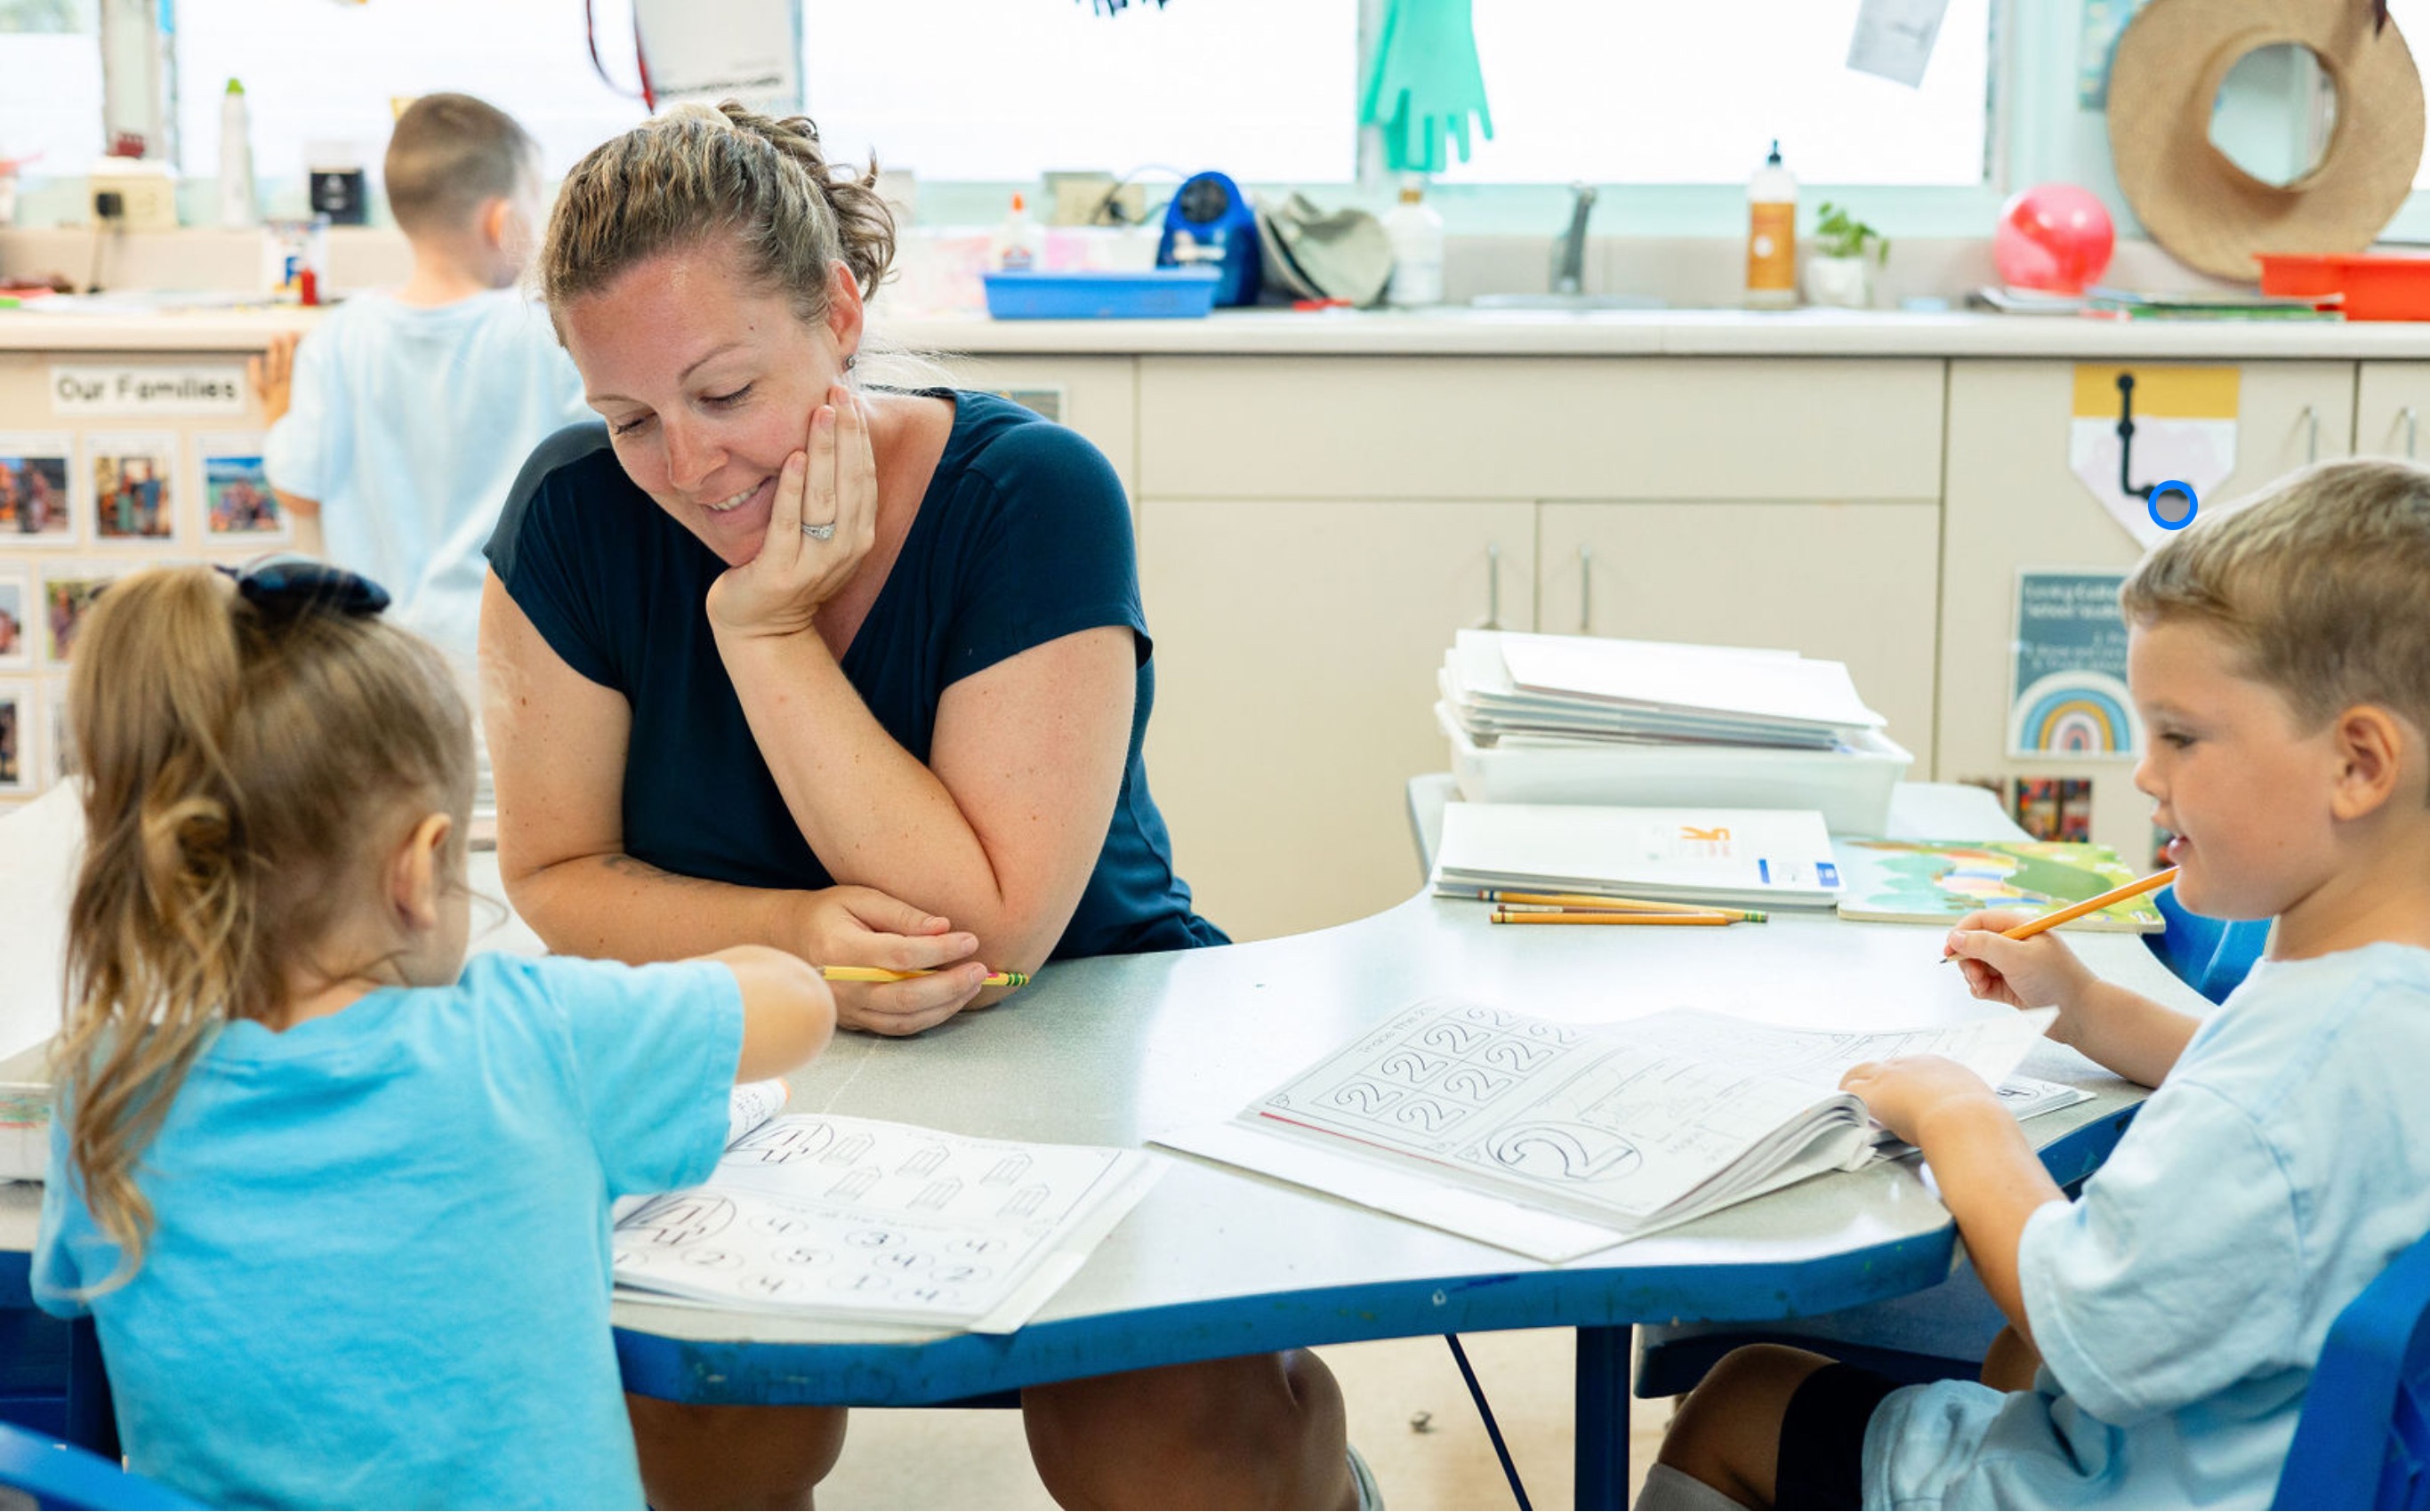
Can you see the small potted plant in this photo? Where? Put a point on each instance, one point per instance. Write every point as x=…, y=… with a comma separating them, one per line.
x=1838, y=272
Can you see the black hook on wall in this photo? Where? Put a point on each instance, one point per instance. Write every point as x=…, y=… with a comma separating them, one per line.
x=2126, y=439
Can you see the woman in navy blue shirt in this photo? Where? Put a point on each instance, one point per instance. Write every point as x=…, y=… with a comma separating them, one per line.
x=859, y=673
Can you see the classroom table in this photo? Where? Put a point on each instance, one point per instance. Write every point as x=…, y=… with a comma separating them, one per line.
x=1218, y=1262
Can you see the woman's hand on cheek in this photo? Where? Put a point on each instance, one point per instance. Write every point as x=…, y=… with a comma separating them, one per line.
x=830, y=487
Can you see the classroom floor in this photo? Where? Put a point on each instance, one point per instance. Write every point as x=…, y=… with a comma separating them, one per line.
x=904, y=1458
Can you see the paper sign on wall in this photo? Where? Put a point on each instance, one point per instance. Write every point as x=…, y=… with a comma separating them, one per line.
x=191, y=389
x=2137, y=427
x=2067, y=693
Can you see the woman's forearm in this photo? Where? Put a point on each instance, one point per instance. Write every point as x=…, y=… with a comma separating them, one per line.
x=615, y=908
x=874, y=814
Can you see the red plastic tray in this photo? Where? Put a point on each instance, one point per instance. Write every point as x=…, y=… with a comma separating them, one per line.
x=2376, y=288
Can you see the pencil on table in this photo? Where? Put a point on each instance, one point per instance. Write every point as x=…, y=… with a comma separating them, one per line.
x=1508, y=916
x=1593, y=901
x=2077, y=910
x=879, y=973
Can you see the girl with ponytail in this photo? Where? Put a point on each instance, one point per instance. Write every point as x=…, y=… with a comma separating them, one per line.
x=337, y=1200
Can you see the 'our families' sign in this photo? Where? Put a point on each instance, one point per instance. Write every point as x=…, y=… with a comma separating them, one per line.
x=187, y=388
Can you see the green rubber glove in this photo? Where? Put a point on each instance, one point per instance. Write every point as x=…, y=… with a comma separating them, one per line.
x=1426, y=84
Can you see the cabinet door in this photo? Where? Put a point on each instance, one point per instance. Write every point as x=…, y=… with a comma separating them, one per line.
x=1856, y=583
x=2392, y=399
x=2013, y=502
x=1296, y=647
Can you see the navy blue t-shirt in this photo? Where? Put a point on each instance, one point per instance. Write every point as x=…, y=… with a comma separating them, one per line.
x=1023, y=536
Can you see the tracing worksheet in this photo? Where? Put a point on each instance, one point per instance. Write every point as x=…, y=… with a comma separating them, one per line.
x=882, y=1222
x=1625, y=1121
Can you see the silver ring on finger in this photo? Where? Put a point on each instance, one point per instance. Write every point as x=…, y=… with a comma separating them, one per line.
x=819, y=532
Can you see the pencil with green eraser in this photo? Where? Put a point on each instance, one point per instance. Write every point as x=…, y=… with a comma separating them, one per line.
x=879, y=973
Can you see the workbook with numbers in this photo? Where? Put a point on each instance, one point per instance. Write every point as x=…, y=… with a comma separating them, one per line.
x=1555, y=1139
x=872, y=1221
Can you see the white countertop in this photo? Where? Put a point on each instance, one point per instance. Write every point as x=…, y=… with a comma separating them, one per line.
x=1447, y=332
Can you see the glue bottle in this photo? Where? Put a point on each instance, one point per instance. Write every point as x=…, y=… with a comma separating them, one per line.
x=236, y=160
x=1772, y=236
x=1416, y=233
x=1018, y=244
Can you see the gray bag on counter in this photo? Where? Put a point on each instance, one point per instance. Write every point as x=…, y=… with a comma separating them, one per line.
x=1315, y=254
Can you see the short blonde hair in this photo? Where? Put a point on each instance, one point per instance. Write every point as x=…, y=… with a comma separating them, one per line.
x=695, y=172
x=448, y=155
x=2322, y=584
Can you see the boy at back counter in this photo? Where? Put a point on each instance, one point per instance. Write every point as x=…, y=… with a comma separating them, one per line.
x=2164, y=1326
x=407, y=415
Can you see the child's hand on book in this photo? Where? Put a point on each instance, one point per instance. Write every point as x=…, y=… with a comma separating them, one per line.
x=1907, y=1092
x=2039, y=972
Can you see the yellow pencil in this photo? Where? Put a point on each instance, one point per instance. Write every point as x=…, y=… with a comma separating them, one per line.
x=2077, y=910
x=1589, y=899
x=1506, y=916
x=879, y=973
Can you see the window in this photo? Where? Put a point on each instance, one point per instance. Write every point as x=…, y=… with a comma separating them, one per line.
x=1651, y=91
x=314, y=70
x=50, y=53
x=1003, y=90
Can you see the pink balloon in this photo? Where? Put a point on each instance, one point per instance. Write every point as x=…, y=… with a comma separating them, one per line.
x=2053, y=237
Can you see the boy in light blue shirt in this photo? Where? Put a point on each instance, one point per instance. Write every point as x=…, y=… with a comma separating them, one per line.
x=2165, y=1326
x=405, y=416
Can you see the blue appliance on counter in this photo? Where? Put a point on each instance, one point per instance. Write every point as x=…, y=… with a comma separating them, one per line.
x=1211, y=224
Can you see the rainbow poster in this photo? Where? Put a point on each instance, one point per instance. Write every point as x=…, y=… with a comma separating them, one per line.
x=2067, y=693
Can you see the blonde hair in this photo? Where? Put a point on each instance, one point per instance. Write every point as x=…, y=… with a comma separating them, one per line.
x=696, y=173
x=448, y=155
x=2322, y=584
x=239, y=765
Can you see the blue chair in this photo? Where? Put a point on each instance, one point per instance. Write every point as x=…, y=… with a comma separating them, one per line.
x=2364, y=1437
x=62, y=1475
x=2210, y=955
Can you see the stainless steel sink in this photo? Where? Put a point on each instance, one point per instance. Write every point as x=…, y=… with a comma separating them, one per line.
x=1565, y=302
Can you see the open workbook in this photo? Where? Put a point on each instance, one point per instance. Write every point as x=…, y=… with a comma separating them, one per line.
x=871, y=1222
x=1557, y=1139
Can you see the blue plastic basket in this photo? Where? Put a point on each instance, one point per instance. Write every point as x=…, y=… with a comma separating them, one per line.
x=1160, y=293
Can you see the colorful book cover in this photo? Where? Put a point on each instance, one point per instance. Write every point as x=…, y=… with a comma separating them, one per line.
x=1936, y=882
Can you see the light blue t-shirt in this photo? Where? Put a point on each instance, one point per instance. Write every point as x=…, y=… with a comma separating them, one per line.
x=379, y=1274
x=2181, y=1303
x=408, y=425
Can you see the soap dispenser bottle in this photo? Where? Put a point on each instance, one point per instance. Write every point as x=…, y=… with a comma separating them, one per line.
x=1772, y=236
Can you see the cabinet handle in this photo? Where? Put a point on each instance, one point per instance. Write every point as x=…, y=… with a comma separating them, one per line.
x=2412, y=429
x=1492, y=586
x=1586, y=590
x=2311, y=419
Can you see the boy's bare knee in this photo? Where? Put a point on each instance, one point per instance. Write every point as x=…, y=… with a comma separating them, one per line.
x=1727, y=1432
x=719, y=1456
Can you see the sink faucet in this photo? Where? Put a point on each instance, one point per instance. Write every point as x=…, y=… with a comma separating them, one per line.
x=1570, y=247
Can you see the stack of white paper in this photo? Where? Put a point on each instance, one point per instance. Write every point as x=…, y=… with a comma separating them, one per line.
x=1502, y=686
x=1750, y=858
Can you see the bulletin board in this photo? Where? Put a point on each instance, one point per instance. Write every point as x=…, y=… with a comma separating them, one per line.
x=109, y=463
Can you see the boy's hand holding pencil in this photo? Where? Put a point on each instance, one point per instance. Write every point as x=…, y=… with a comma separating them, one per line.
x=2039, y=972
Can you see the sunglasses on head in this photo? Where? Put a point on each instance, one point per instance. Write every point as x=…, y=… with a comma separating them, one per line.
x=285, y=584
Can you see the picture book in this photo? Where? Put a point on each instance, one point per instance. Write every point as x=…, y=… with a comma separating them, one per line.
x=1556, y=1139
x=1752, y=858
x=872, y=1221
x=1938, y=882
